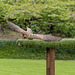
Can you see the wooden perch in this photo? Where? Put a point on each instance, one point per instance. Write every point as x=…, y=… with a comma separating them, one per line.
x=29, y=33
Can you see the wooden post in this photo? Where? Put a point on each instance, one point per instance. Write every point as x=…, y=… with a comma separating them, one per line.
x=50, y=61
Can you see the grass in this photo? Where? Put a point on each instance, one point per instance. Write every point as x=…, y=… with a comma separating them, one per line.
x=65, y=67
x=34, y=67
x=22, y=67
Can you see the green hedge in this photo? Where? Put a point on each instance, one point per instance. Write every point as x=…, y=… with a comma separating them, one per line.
x=36, y=49
x=9, y=49
x=64, y=43
x=46, y=16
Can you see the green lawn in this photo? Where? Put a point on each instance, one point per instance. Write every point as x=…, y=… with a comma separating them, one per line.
x=34, y=67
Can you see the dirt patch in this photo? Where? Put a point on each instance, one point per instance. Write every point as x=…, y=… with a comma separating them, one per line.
x=9, y=35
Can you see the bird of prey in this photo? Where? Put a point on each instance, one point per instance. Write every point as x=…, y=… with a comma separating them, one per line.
x=30, y=35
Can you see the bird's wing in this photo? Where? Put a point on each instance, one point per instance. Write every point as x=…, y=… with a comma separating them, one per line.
x=29, y=30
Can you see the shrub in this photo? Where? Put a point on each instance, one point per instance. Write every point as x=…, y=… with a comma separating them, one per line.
x=36, y=49
x=43, y=16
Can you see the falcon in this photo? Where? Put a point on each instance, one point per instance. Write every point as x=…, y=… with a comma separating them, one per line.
x=30, y=35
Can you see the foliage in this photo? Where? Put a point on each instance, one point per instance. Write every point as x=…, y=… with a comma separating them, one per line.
x=36, y=49
x=43, y=16
x=64, y=43
x=9, y=49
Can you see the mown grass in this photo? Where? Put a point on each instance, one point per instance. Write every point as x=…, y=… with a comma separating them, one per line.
x=34, y=67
